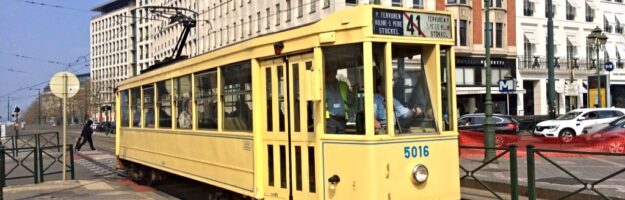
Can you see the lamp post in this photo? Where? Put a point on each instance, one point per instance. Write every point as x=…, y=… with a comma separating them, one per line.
x=596, y=40
x=39, y=100
x=551, y=84
x=489, y=132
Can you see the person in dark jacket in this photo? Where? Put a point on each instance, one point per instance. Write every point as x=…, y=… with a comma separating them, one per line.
x=86, y=136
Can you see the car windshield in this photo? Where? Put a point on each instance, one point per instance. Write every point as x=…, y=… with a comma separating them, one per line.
x=569, y=116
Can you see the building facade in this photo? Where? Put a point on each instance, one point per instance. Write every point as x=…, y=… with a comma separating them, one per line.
x=574, y=60
x=112, y=53
x=612, y=21
x=471, y=51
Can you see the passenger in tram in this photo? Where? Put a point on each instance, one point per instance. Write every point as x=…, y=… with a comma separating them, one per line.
x=337, y=94
x=404, y=116
x=184, y=118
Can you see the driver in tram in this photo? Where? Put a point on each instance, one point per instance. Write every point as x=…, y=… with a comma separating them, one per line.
x=337, y=95
x=403, y=115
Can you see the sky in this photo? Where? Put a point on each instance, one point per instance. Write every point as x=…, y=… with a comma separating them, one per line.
x=41, y=36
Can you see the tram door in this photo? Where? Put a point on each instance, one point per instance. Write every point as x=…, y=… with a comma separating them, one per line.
x=288, y=111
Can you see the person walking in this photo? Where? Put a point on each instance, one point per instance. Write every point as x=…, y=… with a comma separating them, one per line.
x=86, y=136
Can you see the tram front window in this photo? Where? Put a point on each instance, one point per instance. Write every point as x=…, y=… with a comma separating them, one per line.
x=344, y=99
x=413, y=105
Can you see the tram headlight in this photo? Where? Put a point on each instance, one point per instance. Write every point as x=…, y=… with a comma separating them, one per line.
x=420, y=173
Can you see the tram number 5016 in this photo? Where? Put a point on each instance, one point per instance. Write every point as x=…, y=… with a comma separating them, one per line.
x=416, y=151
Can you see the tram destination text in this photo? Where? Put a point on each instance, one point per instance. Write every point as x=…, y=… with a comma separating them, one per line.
x=400, y=23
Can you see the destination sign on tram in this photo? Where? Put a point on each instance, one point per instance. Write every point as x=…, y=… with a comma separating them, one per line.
x=402, y=23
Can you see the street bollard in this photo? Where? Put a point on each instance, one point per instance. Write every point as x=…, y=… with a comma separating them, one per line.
x=514, y=174
x=531, y=173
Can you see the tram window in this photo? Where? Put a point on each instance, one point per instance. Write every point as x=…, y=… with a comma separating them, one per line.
x=182, y=92
x=413, y=106
x=296, y=108
x=148, y=106
x=379, y=98
x=237, y=97
x=164, y=103
x=135, y=93
x=206, y=99
x=344, y=99
x=124, y=108
x=446, y=83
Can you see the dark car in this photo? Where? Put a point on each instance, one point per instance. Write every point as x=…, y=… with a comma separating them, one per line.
x=506, y=127
x=611, y=138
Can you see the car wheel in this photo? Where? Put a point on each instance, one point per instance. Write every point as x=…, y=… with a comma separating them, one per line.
x=616, y=147
x=499, y=141
x=567, y=135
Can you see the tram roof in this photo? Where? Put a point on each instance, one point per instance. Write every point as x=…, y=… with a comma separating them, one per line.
x=351, y=25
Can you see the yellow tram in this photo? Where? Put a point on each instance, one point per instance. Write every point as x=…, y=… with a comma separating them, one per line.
x=303, y=113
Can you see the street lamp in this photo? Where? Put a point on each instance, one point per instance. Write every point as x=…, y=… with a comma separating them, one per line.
x=596, y=40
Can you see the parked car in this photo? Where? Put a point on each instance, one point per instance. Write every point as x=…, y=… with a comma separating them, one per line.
x=572, y=124
x=506, y=127
x=611, y=138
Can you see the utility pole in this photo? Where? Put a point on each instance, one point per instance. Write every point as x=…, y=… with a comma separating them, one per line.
x=39, y=100
x=489, y=135
x=551, y=84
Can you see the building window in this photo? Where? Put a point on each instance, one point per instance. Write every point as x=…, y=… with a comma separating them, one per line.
x=300, y=8
x=607, y=27
x=465, y=76
x=570, y=51
x=417, y=4
x=277, y=14
x=527, y=52
x=570, y=11
x=463, y=33
x=499, y=35
x=590, y=14
x=288, y=10
x=313, y=6
x=528, y=8
x=258, y=22
x=249, y=21
x=268, y=19
x=619, y=62
x=397, y=3
x=326, y=4
x=619, y=26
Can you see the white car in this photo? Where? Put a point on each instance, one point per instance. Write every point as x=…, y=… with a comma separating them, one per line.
x=573, y=123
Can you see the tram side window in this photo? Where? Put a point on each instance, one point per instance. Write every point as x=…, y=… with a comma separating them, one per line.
x=182, y=88
x=164, y=103
x=413, y=106
x=124, y=108
x=206, y=99
x=343, y=82
x=446, y=93
x=237, y=97
x=148, y=106
x=135, y=93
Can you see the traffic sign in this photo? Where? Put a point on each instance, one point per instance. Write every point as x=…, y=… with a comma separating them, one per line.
x=608, y=66
x=506, y=86
x=56, y=84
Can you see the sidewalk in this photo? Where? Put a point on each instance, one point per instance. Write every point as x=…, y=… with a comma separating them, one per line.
x=551, y=182
x=84, y=189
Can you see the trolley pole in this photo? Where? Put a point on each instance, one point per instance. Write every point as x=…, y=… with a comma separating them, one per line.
x=489, y=135
x=551, y=84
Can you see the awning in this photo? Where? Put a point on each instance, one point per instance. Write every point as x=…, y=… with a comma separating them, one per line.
x=610, y=18
x=620, y=18
x=573, y=3
x=592, y=6
x=530, y=37
x=572, y=40
x=621, y=51
x=611, y=50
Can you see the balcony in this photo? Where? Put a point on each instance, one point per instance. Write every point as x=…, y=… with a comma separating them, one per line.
x=539, y=64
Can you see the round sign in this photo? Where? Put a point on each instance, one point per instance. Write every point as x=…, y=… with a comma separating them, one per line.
x=609, y=66
x=56, y=84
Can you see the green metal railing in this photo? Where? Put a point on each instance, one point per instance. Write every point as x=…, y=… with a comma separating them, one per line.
x=587, y=185
x=514, y=178
x=57, y=159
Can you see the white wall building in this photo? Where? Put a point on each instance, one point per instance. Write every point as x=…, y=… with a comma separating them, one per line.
x=111, y=52
x=573, y=21
x=612, y=21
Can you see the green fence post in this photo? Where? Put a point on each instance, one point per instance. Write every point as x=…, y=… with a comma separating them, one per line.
x=58, y=141
x=37, y=160
x=514, y=173
x=531, y=173
x=2, y=181
x=71, y=160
